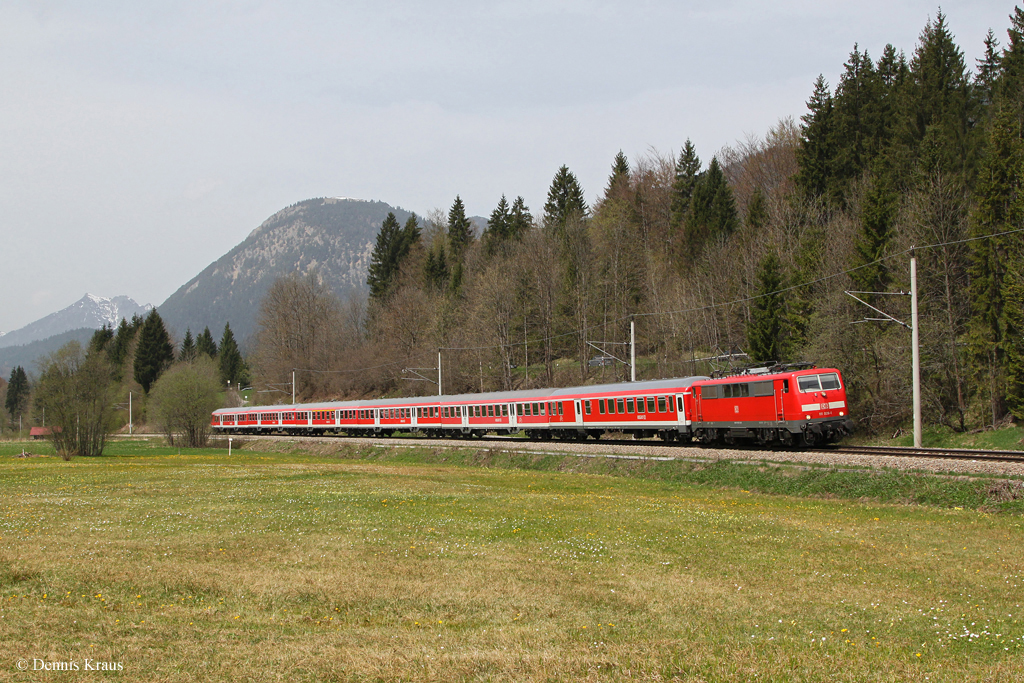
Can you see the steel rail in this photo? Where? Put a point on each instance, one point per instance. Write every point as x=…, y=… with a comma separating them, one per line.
x=943, y=453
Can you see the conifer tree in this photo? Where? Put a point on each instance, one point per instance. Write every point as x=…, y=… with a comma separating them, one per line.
x=17, y=392
x=498, y=227
x=460, y=230
x=1010, y=84
x=938, y=101
x=816, y=153
x=618, y=181
x=154, y=353
x=455, y=284
x=383, y=261
x=757, y=211
x=101, y=338
x=565, y=201
x=187, y=353
x=435, y=270
x=1013, y=315
x=877, y=219
x=713, y=209
x=409, y=237
x=767, y=315
x=998, y=209
x=856, y=119
x=121, y=344
x=232, y=366
x=519, y=220
x=988, y=70
x=205, y=344
x=687, y=174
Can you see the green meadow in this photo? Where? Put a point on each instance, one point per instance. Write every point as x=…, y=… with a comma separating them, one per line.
x=389, y=565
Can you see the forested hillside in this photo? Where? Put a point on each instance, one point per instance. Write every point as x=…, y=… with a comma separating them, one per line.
x=749, y=251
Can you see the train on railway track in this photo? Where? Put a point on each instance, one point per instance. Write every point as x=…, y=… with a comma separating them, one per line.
x=780, y=405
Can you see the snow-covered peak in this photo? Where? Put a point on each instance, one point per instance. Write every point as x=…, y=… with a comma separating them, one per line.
x=90, y=311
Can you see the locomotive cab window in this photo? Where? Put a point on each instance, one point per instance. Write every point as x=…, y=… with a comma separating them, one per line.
x=808, y=383
x=829, y=381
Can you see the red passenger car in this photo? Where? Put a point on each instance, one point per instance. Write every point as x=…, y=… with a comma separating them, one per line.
x=786, y=405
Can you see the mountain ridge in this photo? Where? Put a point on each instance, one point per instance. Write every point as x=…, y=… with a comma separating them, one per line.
x=334, y=235
x=90, y=311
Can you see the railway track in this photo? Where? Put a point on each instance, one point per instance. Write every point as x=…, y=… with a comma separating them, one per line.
x=679, y=450
x=942, y=453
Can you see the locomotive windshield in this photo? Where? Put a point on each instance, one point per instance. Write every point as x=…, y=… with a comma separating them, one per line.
x=818, y=382
x=829, y=382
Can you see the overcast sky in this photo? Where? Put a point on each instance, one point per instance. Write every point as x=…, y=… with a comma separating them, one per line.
x=140, y=141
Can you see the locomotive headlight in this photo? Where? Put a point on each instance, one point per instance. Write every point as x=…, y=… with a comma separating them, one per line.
x=807, y=417
x=841, y=413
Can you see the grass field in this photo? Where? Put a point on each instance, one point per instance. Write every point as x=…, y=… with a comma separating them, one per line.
x=293, y=566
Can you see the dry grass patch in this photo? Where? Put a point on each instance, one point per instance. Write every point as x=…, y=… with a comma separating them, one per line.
x=276, y=567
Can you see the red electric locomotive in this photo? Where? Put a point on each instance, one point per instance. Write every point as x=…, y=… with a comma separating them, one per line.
x=785, y=405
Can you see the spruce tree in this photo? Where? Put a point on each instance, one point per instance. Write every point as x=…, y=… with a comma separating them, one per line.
x=1010, y=83
x=206, y=344
x=816, y=153
x=383, y=261
x=460, y=230
x=17, y=392
x=187, y=353
x=232, y=366
x=988, y=71
x=409, y=237
x=519, y=220
x=618, y=181
x=565, y=201
x=877, y=218
x=687, y=174
x=997, y=210
x=712, y=211
x=757, y=211
x=856, y=119
x=154, y=353
x=101, y=338
x=498, y=228
x=435, y=270
x=767, y=315
x=120, y=346
x=939, y=101
x=1013, y=325
x=455, y=284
